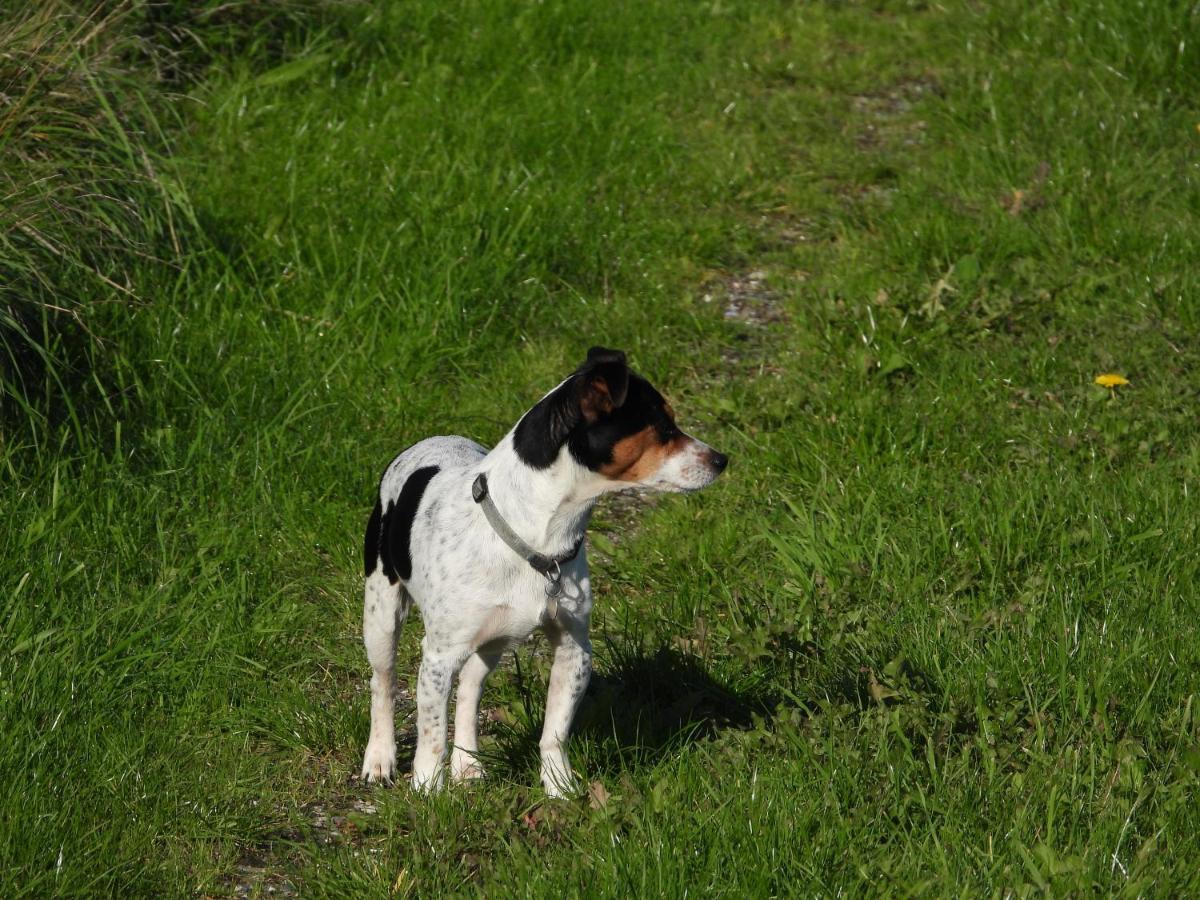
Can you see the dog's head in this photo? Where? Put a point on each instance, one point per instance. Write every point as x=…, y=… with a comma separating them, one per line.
x=616, y=424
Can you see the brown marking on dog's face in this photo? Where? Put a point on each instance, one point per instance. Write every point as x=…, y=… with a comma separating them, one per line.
x=636, y=441
x=637, y=457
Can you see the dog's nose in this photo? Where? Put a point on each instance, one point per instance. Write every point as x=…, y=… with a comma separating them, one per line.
x=718, y=460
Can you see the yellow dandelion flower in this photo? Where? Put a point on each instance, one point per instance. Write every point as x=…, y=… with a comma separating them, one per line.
x=1111, y=380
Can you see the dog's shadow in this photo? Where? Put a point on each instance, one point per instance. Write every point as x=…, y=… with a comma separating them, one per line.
x=640, y=707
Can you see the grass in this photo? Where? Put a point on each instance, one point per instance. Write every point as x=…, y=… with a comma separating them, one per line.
x=82, y=202
x=94, y=220
x=934, y=633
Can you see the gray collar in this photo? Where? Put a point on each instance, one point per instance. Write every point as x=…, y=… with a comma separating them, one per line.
x=549, y=567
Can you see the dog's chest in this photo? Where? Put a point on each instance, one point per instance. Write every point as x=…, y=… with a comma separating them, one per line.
x=472, y=587
x=497, y=613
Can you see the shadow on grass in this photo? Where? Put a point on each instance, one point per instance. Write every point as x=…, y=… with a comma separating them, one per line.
x=640, y=707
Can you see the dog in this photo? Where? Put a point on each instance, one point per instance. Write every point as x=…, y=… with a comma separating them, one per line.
x=490, y=546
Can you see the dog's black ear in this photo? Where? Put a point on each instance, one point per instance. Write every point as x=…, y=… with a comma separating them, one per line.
x=598, y=355
x=543, y=430
x=596, y=388
x=602, y=382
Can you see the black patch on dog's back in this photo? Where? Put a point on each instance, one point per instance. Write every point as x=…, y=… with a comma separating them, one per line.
x=396, y=542
x=371, y=542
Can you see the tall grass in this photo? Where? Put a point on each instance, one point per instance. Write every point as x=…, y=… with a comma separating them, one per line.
x=93, y=221
x=85, y=209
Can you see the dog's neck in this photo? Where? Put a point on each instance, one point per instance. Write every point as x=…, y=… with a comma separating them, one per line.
x=549, y=508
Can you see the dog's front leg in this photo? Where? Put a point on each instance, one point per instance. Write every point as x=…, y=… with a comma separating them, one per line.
x=433, y=693
x=569, y=677
x=464, y=762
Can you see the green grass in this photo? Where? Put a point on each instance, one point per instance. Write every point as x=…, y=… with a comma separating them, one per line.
x=934, y=633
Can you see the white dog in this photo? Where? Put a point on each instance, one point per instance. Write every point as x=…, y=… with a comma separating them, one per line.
x=490, y=546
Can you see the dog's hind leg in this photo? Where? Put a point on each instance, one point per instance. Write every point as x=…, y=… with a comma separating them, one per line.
x=385, y=606
x=464, y=763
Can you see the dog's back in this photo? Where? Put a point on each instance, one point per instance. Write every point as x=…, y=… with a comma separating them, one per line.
x=401, y=489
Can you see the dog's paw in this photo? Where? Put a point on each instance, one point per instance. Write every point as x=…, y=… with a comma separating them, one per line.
x=465, y=767
x=559, y=781
x=427, y=782
x=379, y=764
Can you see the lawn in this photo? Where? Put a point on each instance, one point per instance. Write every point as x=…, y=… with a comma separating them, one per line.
x=936, y=631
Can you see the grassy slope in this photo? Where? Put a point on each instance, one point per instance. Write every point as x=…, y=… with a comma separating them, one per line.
x=937, y=629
